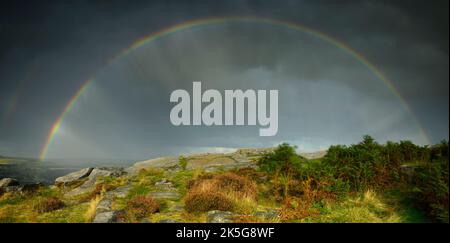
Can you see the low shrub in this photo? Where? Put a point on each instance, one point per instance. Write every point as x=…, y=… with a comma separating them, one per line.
x=49, y=204
x=431, y=188
x=141, y=206
x=207, y=198
x=226, y=192
x=183, y=162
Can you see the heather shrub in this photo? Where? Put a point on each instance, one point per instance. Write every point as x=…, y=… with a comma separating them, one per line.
x=431, y=188
x=226, y=192
x=141, y=206
x=44, y=205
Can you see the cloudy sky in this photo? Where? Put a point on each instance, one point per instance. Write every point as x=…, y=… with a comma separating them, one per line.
x=48, y=49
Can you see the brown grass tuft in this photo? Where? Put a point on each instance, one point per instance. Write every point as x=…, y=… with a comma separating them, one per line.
x=141, y=206
x=226, y=192
x=49, y=204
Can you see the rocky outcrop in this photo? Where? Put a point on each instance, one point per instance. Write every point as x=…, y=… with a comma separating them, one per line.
x=13, y=186
x=74, y=177
x=208, y=161
x=94, y=175
x=162, y=163
x=107, y=217
x=6, y=182
x=104, y=212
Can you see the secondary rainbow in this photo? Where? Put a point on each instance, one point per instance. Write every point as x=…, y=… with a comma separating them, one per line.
x=221, y=20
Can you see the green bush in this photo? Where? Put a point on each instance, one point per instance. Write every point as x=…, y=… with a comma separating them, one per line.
x=183, y=162
x=430, y=185
x=282, y=161
x=363, y=165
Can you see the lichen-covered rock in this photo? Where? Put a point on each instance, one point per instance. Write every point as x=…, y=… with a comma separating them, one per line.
x=161, y=163
x=267, y=215
x=163, y=183
x=121, y=192
x=168, y=221
x=106, y=217
x=73, y=177
x=104, y=205
x=217, y=216
x=95, y=174
x=5, y=182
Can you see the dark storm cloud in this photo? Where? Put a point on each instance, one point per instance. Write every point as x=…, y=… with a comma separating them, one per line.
x=48, y=49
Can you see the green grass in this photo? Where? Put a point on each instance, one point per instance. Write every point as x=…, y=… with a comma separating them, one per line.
x=19, y=208
x=368, y=207
x=390, y=206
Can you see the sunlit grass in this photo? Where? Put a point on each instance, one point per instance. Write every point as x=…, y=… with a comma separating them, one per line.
x=368, y=207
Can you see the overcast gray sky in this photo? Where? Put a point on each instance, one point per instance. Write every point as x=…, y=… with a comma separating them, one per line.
x=326, y=96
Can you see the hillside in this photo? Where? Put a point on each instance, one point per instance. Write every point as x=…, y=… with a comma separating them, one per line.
x=215, y=187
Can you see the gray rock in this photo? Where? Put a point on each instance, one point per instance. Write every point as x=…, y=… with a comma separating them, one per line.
x=121, y=192
x=168, y=221
x=164, y=184
x=95, y=174
x=111, y=171
x=106, y=217
x=104, y=205
x=270, y=214
x=73, y=177
x=162, y=163
x=5, y=182
x=166, y=195
x=101, y=172
x=217, y=216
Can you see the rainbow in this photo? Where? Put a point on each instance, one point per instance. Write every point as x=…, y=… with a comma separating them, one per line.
x=57, y=124
x=220, y=20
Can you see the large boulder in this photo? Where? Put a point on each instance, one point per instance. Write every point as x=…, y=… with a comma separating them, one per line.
x=91, y=180
x=6, y=182
x=102, y=172
x=74, y=177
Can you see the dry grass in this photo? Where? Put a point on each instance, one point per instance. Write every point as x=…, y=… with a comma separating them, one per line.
x=49, y=204
x=91, y=211
x=226, y=192
x=140, y=207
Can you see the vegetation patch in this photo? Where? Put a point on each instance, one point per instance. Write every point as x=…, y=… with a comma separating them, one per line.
x=226, y=192
x=44, y=205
